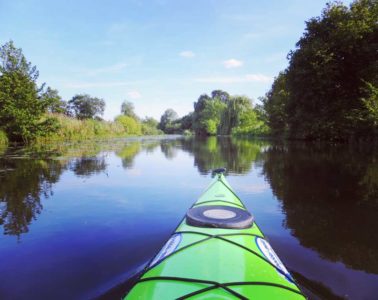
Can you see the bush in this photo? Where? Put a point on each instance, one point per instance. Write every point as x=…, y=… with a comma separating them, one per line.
x=74, y=129
x=130, y=125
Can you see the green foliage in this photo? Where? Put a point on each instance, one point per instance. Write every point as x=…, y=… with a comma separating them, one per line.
x=130, y=125
x=274, y=106
x=208, y=112
x=250, y=124
x=74, y=129
x=329, y=88
x=167, y=120
x=56, y=103
x=150, y=127
x=127, y=109
x=237, y=107
x=371, y=105
x=21, y=105
x=84, y=106
x=221, y=114
x=3, y=138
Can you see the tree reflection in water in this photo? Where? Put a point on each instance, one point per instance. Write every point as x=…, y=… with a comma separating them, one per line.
x=23, y=183
x=237, y=155
x=86, y=166
x=329, y=195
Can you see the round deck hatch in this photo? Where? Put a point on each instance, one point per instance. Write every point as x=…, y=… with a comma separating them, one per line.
x=219, y=216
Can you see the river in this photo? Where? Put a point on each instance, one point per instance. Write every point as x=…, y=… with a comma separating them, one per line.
x=77, y=220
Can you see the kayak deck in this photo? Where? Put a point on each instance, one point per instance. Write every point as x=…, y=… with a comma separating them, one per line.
x=216, y=263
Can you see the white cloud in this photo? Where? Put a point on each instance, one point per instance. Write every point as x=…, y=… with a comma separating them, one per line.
x=232, y=63
x=187, y=54
x=134, y=94
x=236, y=79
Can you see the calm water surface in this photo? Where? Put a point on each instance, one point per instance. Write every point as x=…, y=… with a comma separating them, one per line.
x=78, y=220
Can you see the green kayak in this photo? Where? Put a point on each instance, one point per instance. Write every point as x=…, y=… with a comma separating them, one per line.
x=217, y=252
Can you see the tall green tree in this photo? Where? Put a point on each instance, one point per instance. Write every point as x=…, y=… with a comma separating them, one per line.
x=330, y=72
x=274, y=104
x=236, y=107
x=208, y=112
x=56, y=103
x=84, y=106
x=21, y=103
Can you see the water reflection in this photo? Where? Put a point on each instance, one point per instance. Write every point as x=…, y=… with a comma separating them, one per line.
x=236, y=155
x=30, y=179
x=23, y=184
x=330, y=198
x=86, y=166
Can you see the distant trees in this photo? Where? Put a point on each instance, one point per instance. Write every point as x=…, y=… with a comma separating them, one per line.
x=22, y=103
x=329, y=90
x=219, y=113
x=84, y=106
x=167, y=121
x=150, y=126
x=133, y=125
x=127, y=109
x=208, y=112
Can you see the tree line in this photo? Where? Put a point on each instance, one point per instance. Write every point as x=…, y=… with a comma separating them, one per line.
x=329, y=90
x=217, y=114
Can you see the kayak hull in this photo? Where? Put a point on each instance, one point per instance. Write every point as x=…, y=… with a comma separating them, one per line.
x=216, y=263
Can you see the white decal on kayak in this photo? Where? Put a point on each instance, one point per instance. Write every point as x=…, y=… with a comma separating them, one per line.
x=269, y=253
x=167, y=249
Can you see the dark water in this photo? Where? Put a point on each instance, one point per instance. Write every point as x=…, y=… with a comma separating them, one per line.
x=77, y=220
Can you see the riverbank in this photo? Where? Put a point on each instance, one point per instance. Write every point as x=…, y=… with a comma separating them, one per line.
x=71, y=129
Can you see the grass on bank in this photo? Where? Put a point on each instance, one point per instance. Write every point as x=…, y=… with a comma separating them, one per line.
x=3, y=142
x=3, y=138
x=71, y=129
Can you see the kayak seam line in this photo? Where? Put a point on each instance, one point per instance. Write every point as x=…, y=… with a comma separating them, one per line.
x=192, y=280
x=193, y=244
x=257, y=283
x=220, y=236
x=216, y=284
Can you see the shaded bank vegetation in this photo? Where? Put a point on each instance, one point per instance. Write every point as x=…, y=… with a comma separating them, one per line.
x=330, y=88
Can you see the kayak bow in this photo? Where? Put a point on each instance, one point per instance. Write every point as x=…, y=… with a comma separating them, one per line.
x=217, y=252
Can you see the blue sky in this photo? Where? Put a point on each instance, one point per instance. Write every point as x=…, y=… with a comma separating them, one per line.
x=158, y=54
